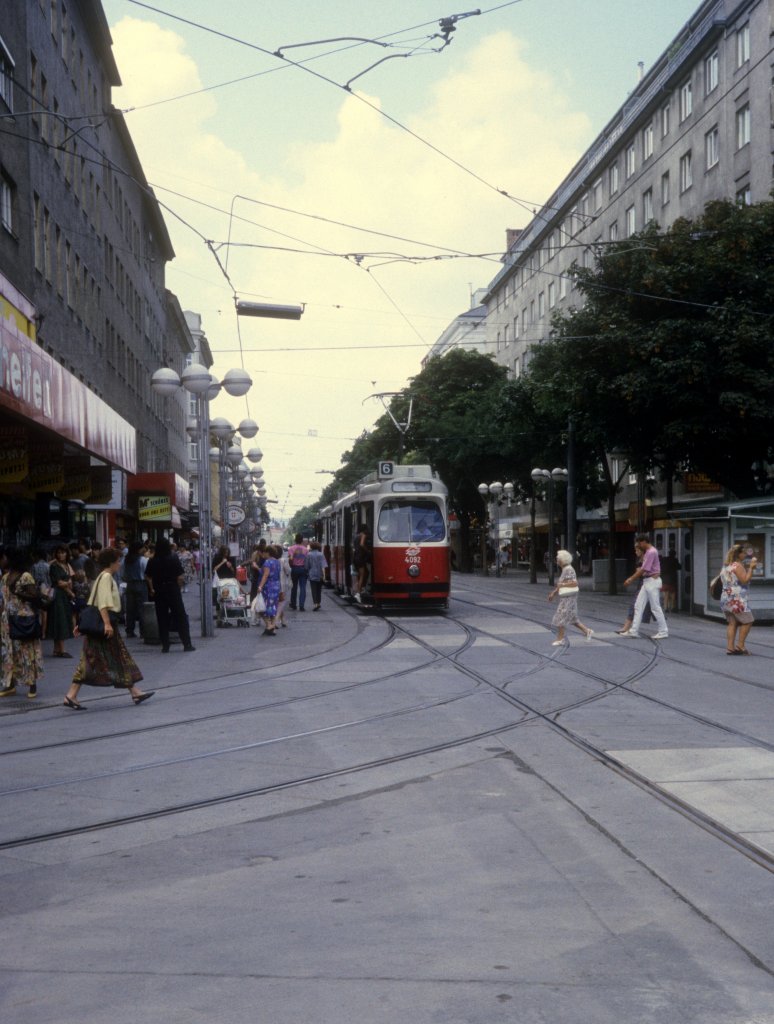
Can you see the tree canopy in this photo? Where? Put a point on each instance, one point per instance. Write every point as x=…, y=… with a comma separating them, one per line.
x=670, y=358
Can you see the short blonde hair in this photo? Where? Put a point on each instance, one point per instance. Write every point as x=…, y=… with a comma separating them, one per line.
x=564, y=558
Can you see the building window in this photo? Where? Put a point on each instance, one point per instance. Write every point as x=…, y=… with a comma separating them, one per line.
x=37, y=229
x=541, y=305
x=744, y=196
x=631, y=161
x=65, y=35
x=711, y=69
x=6, y=76
x=686, y=100
x=631, y=221
x=666, y=112
x=551, y=295
x=743, y=126
x=665, y=188
x=596, y=193
x=612, y=233
x=7, y=202
x=647, y=141
x=47, y=246
x=686, y=171
x=712, y=147
x=647, y=206
x=613, y=179
x=743, y=45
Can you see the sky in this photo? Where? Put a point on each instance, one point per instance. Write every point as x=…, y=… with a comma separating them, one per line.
x=379, y=207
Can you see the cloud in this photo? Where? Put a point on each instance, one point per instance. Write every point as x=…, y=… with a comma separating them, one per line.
x=491, y=113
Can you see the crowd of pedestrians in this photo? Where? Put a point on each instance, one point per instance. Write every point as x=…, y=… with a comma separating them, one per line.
x=655, y=578
x=279, y=579
x=43, y=595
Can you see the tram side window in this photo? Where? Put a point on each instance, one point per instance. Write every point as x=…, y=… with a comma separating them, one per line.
x=412, y=522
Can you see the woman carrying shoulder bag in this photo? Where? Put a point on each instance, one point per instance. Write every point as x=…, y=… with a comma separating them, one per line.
x=566, y=590
x=104, y=659
x=735, y=576
x=20, y=628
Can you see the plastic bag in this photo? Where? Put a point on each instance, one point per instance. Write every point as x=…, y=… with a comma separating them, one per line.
x=257, y=608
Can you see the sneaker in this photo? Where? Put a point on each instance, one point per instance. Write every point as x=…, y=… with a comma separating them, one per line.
x=32, y=692
x=9, y=691
x=630, y=633
x=358, y=598
x=558, y=643
x=590, y=634
x=660, y=636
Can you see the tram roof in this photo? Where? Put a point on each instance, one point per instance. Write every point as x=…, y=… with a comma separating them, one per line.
x=401, y=473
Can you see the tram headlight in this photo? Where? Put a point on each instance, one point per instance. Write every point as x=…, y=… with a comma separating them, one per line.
x=413, y=570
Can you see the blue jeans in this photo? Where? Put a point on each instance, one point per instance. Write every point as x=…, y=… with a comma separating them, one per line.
x=298, y=579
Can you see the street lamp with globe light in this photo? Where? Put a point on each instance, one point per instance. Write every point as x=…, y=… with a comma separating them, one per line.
x=549, y=477
x=496, y=490
x=198, y=381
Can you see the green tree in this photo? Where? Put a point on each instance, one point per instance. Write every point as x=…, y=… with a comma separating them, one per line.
x=454, y=400
x=670, y=358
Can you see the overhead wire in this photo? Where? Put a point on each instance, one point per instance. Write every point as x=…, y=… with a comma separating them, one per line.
x=358, y=96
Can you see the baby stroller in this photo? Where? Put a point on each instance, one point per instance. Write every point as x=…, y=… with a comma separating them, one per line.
x=233, y=604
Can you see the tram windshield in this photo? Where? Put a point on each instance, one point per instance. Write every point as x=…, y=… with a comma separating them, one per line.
x=410, y=521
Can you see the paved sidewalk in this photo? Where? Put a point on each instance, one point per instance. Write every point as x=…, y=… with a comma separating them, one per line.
x=228, y=650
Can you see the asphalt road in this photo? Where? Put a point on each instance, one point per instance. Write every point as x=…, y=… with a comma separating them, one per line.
x=424, y=818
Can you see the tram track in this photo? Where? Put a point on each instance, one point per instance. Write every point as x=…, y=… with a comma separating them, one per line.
x=527, y=714
x=720, y=831
x=658, y=655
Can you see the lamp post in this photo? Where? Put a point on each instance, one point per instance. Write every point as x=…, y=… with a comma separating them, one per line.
x=549, y=477
x=197, y=380
x=495, y=489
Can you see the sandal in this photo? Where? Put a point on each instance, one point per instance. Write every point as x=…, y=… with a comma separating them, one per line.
x=734, y=652
x=741, y=650
x=73, y=704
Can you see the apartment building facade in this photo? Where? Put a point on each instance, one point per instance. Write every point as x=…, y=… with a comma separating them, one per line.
x=697, y=127
x=83, y=252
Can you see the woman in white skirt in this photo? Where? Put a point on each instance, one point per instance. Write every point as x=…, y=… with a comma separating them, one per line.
x=566, y=590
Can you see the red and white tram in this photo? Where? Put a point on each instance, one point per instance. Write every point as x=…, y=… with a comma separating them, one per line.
x=404, y=511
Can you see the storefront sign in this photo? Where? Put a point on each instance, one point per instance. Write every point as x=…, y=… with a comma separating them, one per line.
x=700, y=483
x=37, y=387
x=154, y=509
x=14, y=457
x=174, y=487
x=101, y=485
x=46, y=468
x=236, y=515
x=77, y=479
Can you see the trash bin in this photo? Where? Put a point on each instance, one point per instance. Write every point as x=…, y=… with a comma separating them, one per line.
x=150, y=625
